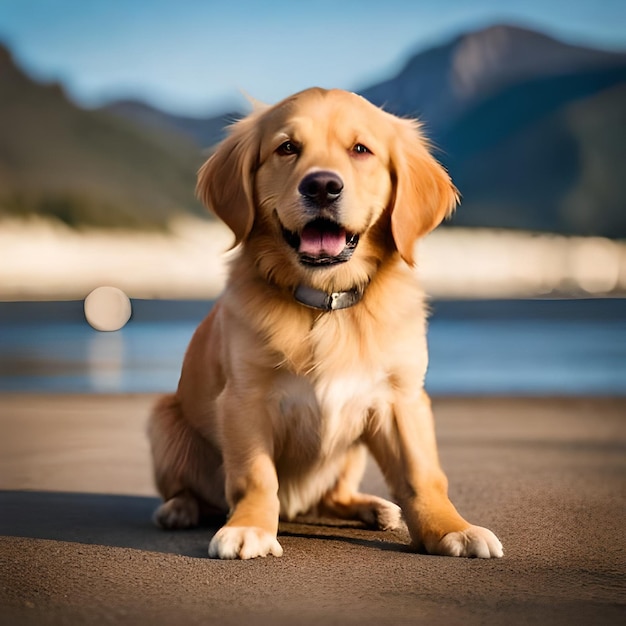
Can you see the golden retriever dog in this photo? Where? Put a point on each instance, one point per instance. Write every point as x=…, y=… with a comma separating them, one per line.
x=316, y=351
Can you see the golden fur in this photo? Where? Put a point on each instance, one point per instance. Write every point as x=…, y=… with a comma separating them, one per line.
x=278, y=402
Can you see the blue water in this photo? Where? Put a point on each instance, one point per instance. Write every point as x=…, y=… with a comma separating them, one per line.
x=522, y=351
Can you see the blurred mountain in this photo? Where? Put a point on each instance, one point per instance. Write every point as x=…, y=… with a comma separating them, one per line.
x=546, y=154
x=533, y=131
x=443, y=83
x=205, y=132
x=87, y=168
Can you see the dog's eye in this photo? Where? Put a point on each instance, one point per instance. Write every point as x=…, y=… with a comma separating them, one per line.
x=359, y=149
x=287, y=148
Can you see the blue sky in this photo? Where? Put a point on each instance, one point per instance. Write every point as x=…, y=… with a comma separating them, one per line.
x=194, y=57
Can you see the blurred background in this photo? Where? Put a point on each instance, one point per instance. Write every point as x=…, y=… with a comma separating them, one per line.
x=107, y=109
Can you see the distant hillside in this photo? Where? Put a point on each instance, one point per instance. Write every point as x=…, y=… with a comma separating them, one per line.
x=444, y=82
x=547, y=154
x=86, y=167
x=531, y=129
x=205, y=132
x=533, y=132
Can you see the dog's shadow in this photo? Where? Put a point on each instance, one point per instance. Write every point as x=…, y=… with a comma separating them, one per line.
x=125, y=522
x=108, y=520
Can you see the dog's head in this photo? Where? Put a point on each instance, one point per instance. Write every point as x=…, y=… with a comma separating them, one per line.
x=324, y=185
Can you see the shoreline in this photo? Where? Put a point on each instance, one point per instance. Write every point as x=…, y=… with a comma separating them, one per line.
x=163, y=310
x=42, y=260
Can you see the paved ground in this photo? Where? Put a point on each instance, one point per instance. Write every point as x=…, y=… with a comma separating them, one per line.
x=77, y=546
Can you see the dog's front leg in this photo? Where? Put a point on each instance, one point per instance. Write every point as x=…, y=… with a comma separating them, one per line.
x=251, y=489
x=407, y=453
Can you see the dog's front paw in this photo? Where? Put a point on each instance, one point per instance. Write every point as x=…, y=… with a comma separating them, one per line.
x=474, y=541
x=243, y=542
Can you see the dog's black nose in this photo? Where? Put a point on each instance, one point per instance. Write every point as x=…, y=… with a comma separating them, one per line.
x=321, y=187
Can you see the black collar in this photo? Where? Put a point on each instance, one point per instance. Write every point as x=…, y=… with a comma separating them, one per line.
x=318, y=299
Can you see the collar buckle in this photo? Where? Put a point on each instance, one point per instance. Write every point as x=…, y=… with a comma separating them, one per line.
x=323, y=301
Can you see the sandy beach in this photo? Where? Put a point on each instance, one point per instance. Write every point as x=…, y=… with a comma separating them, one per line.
x=77, y=545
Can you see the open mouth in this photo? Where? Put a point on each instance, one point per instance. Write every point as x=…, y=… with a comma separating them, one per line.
x=322, y=242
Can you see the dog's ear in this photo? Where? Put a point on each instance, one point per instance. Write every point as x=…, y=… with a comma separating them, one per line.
x=225, y=182
x=424, y=193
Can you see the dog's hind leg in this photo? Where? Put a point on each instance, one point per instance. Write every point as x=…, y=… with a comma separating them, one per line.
x=187, y=469
x=346, y=502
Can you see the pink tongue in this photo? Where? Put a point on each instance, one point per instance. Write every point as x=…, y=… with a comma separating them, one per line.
x=315, y=240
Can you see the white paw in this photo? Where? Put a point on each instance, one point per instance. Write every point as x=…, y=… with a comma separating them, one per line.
x=243, y=542
x=387, y=515
x=178, y=512
x=474, y=541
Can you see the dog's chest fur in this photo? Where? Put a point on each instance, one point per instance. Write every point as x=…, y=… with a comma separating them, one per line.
x=318, y=414
x=318, y=421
